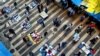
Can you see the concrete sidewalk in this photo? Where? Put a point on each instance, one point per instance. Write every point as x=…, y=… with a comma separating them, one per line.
x=5, y=3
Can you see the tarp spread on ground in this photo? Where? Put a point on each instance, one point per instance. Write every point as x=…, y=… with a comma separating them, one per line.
x=4, y=51
x=93, y=7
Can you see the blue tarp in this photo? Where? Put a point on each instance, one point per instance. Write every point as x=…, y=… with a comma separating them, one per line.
x=4, y=51
x=77, y=2
x=96, y=16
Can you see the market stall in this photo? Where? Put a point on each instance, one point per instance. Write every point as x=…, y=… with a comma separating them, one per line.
x=43, y=14
x=13, y=20
x=35, y=37
x=87, y=49
x=25, y=25
x=32, y=5
x=48, y=50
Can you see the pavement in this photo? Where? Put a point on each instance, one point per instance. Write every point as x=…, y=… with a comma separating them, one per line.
x=54, y=37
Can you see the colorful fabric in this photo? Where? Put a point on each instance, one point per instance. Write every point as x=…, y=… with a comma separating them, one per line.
x=93, y=6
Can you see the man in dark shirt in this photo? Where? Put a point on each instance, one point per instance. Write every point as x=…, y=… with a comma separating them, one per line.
x=12, y=31
x=56, y=22
x=24, y=39
x=27, y=8
x=15, y=4
x=40, y=8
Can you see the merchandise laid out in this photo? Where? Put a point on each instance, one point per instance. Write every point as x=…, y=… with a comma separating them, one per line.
x=13, y=20
x=35, y=37
x=50, y=51
x=87, y=49
x=43, y=14
x=50, y=28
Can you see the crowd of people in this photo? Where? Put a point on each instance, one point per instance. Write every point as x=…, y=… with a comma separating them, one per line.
x=47, y=49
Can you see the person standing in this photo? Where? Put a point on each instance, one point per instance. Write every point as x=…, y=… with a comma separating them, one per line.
x=93, y=41
x=56, y=22
x=82, y=18
x=5, y=15
x=46, y=9
x=12, y=31
x=69, y=26
x=27, y=8
x=70, y=11
x=27, y=15
x=77, y=30
x=28, y=19
x=90, y=30
x=41, y=21
x=59, y=47
x=43, y=24
x=63, y=44
x=40, y=8
x=15, y=5
x=24, y=39
x=64, y=27
x=45, y=34
x=76, y=37
x=3, y=11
